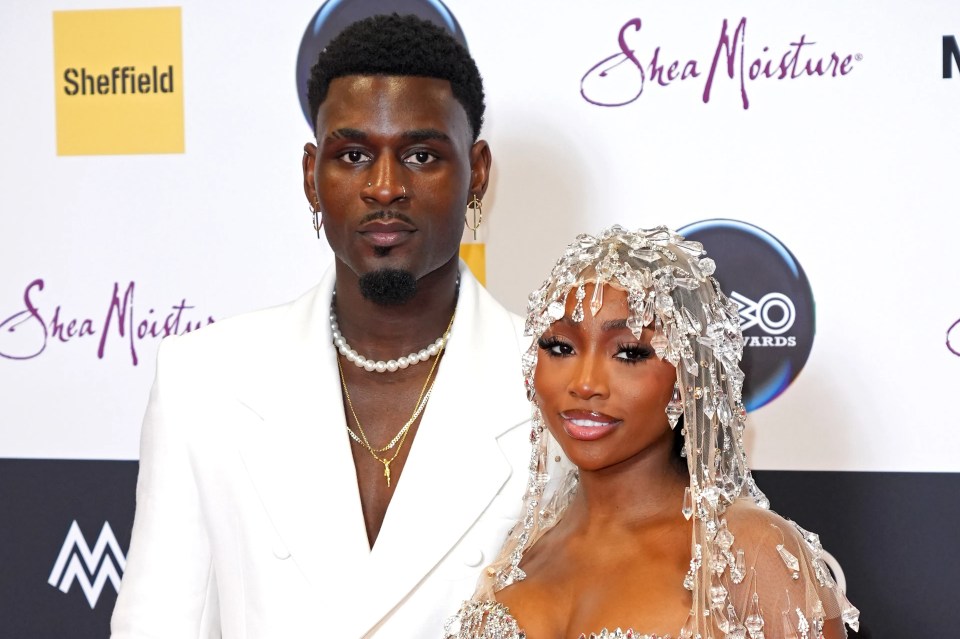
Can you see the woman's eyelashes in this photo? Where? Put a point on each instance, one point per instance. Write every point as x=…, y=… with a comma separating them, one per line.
x=555, y=346
x=633, y=352
x=628, y=352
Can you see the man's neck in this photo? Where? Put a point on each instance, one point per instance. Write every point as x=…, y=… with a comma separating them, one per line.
x=388, y=331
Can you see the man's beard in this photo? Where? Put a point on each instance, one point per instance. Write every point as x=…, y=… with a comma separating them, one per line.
x=388, y=286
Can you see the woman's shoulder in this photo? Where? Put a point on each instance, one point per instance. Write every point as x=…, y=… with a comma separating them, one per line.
x=785, y=569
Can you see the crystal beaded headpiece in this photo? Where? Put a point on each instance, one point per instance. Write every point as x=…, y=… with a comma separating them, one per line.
x=670, y=289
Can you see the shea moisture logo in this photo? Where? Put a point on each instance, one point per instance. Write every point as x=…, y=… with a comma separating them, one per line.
x=114, y=70
x=953, y=338
x=620, y=79
x=26, y=333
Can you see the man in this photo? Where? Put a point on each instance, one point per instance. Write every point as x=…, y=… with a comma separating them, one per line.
x=285, y=491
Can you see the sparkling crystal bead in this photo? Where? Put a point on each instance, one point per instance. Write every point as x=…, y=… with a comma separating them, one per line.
x=674, y=408
x=724, y=537
x=712, y=495
x=709, y=407
x=635, y=325
x=718, y=595
x=647, y=255
x=724, y=414
x=596, y=300
x=741, y=565
x=690, y=364
x=577, y=315
x=665, y=282
x=789, y=559
x=718, y=564
x=707, y=266
x=803, y=626
x=754, y=619
x=659, y=344
x=851, y=616
x=687, y=508
x=555, y=310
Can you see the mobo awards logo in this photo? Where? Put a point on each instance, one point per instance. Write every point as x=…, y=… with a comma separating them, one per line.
x=118, y=80
x=776, y=304
x=77, y=562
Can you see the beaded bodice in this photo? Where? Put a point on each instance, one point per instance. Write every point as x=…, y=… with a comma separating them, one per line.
x=492, y=620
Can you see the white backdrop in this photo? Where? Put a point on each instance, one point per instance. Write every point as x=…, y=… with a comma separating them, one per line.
x=855, y=174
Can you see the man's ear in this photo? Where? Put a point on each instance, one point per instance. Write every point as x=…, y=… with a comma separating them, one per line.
x=309, y=163
x=480, y=163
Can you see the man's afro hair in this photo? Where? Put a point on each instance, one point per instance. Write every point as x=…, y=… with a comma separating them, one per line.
x=399, y=45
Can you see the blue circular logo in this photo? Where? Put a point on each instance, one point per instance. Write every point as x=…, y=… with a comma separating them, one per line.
x=777, y=311
x=334, y=15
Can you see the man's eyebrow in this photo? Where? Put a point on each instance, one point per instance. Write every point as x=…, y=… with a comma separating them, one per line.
x=423, y=135
x=347, y=133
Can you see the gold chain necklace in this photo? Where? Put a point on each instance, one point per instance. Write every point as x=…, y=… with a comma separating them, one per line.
x=401, y=435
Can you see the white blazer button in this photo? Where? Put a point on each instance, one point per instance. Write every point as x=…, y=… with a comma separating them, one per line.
x=280, y=551
x=472, y=558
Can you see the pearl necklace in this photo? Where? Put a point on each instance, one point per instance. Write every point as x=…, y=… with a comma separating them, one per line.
x=381, y=366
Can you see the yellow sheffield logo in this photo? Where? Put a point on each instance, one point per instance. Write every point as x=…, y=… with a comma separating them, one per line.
x=118, y=81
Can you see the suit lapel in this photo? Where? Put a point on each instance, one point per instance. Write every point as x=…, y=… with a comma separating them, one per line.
x=299, y=458
x=298, y=455
x=456, y=466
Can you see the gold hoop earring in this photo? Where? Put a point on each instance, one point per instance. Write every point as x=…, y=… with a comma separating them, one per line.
x=476, y=206
x=317, y=219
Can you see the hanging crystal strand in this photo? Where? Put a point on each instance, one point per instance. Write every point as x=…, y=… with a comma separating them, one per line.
x=596, y=301
x=740, y=566
x=850, y=615
x=674, y=407
x=754, y=619
x=577, y=315
x=789, y=560
x=736, y=629
x=789, y=630
x=687, y=509
x=803, y=626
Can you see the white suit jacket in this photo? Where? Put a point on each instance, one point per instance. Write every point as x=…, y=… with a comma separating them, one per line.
x=248, y=521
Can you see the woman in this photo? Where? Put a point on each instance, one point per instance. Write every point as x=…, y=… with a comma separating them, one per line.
x=660, y=529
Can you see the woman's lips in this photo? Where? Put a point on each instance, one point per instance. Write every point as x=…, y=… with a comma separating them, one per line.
x=587, y=425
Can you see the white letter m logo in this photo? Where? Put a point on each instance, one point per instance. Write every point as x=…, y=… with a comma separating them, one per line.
x=76, y=561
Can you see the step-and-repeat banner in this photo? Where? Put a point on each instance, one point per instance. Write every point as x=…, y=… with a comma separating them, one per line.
x=150, y=184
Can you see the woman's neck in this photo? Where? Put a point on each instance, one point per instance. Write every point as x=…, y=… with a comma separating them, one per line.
x=638, y=491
